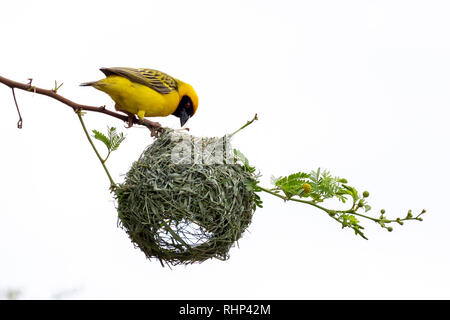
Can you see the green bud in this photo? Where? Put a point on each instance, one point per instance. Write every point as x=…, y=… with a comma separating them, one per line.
x=360, y=203
x=382, y=211
x=366, y=194
x=390, y=229
x=409, y=215
x=420, y=219
x=423, y=211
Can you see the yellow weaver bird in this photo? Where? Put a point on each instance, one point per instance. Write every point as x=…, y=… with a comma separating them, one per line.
x=147, y=93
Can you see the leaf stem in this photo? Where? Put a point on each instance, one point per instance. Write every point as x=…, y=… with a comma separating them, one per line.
x=107, y=156
x=331, y=213
x=353, y=211
x=113, y=185
x=294, y=199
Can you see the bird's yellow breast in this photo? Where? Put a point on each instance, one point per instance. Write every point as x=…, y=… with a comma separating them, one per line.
x=137, y=98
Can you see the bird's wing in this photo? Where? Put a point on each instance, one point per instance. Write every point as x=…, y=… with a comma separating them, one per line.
x=154, y=79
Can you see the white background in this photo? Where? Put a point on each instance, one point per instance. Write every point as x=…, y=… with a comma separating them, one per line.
x=358, y=87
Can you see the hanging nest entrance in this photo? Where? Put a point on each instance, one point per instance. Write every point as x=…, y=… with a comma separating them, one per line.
x=186, y=199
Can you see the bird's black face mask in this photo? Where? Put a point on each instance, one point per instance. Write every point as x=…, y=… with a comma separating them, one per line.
x=184, y=110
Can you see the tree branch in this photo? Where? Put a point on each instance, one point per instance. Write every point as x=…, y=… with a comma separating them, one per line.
x=19, y=123
x=76, y=106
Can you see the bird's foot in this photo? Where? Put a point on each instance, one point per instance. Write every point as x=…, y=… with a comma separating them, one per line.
x=154, y=127
x=130, y=120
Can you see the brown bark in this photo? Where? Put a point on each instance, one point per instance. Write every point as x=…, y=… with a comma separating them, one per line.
x=153, y=126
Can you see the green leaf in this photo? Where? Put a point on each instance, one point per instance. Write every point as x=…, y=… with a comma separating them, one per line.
x=351, y=191
x=292, y=178
x=293, y=184
x=112, y=140
x=250, y=183
x=115, y=138
x=350, y=221
x=239, y=156
x=101, y=137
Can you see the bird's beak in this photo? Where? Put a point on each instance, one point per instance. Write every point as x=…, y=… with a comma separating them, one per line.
x=184, y=116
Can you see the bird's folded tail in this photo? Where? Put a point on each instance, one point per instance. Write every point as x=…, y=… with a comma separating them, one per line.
x=87, y=84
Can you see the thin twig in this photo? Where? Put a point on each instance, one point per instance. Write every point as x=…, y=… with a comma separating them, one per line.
x=76, y=106
x=113, y=184
x=245, y=125
x=294, y=199
x=19, y=123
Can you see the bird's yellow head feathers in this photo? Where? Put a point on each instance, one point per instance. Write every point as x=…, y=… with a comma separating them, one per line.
x=188, y=102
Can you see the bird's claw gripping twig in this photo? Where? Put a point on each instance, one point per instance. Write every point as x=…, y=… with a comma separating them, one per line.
x=154, y=127
x=131, y=118
x=130, y=121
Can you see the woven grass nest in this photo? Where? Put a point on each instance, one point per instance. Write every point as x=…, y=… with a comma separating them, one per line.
x=186, y=200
